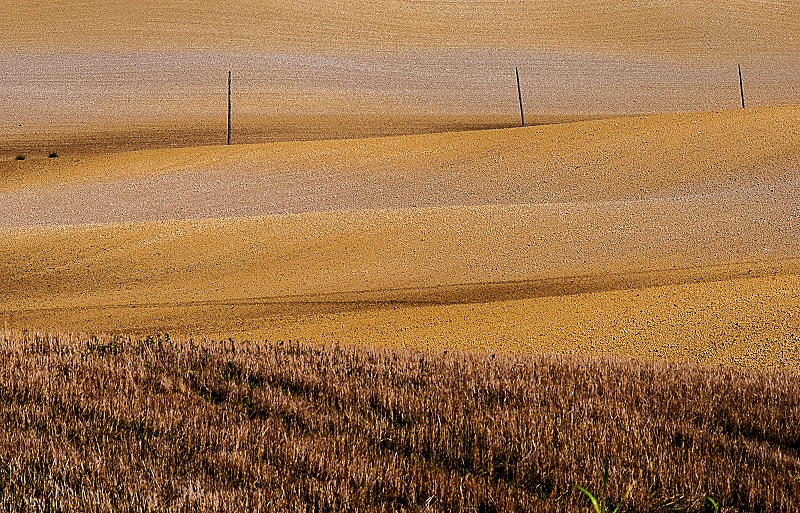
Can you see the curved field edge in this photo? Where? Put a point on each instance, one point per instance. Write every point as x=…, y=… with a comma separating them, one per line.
x=740, y=322
x=362, y=429
x=615, y=157
x=356, y=252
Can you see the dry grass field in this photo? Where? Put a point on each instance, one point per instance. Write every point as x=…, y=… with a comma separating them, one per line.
x=635, y=251
x=161, y=424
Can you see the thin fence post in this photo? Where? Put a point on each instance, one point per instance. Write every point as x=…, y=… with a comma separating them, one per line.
x=229, y=108
x=741, y=84
x=519, y=94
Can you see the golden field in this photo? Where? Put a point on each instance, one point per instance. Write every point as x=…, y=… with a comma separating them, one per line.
x=372, y=205
x=675, y=27
x=146, y=74
x=668, y=236
x=386, y=295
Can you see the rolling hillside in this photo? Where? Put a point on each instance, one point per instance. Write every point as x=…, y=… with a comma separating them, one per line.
x=134, y=75
x=386, y=294
x=273, y=240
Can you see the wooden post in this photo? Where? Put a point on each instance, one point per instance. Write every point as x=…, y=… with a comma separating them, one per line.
x=229, y=108
x=741, y=84
x=519, y=94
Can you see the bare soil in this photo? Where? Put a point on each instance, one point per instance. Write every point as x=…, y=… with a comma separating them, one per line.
x=427, y=240
x=323, y=235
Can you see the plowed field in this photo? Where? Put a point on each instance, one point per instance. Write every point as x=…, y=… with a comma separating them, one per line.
x=671, y=235
x=100, y=76
x=378, y=190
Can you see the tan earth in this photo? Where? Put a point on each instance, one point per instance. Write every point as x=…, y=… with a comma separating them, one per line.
x=667, y=27
x=675, y=234
x=142, y=74
x=668, y=235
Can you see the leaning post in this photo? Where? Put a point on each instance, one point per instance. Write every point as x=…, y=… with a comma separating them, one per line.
x=741, y=84
x=229, y=108
x=519, y=94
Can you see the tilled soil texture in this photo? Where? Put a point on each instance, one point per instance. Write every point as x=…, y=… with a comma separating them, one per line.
x=428, y=240
x=146, y=74
x=72, y=103
x=702, y=27
x=614, y=163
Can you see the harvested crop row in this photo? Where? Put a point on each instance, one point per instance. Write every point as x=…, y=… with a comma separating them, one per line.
x=153, y=423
